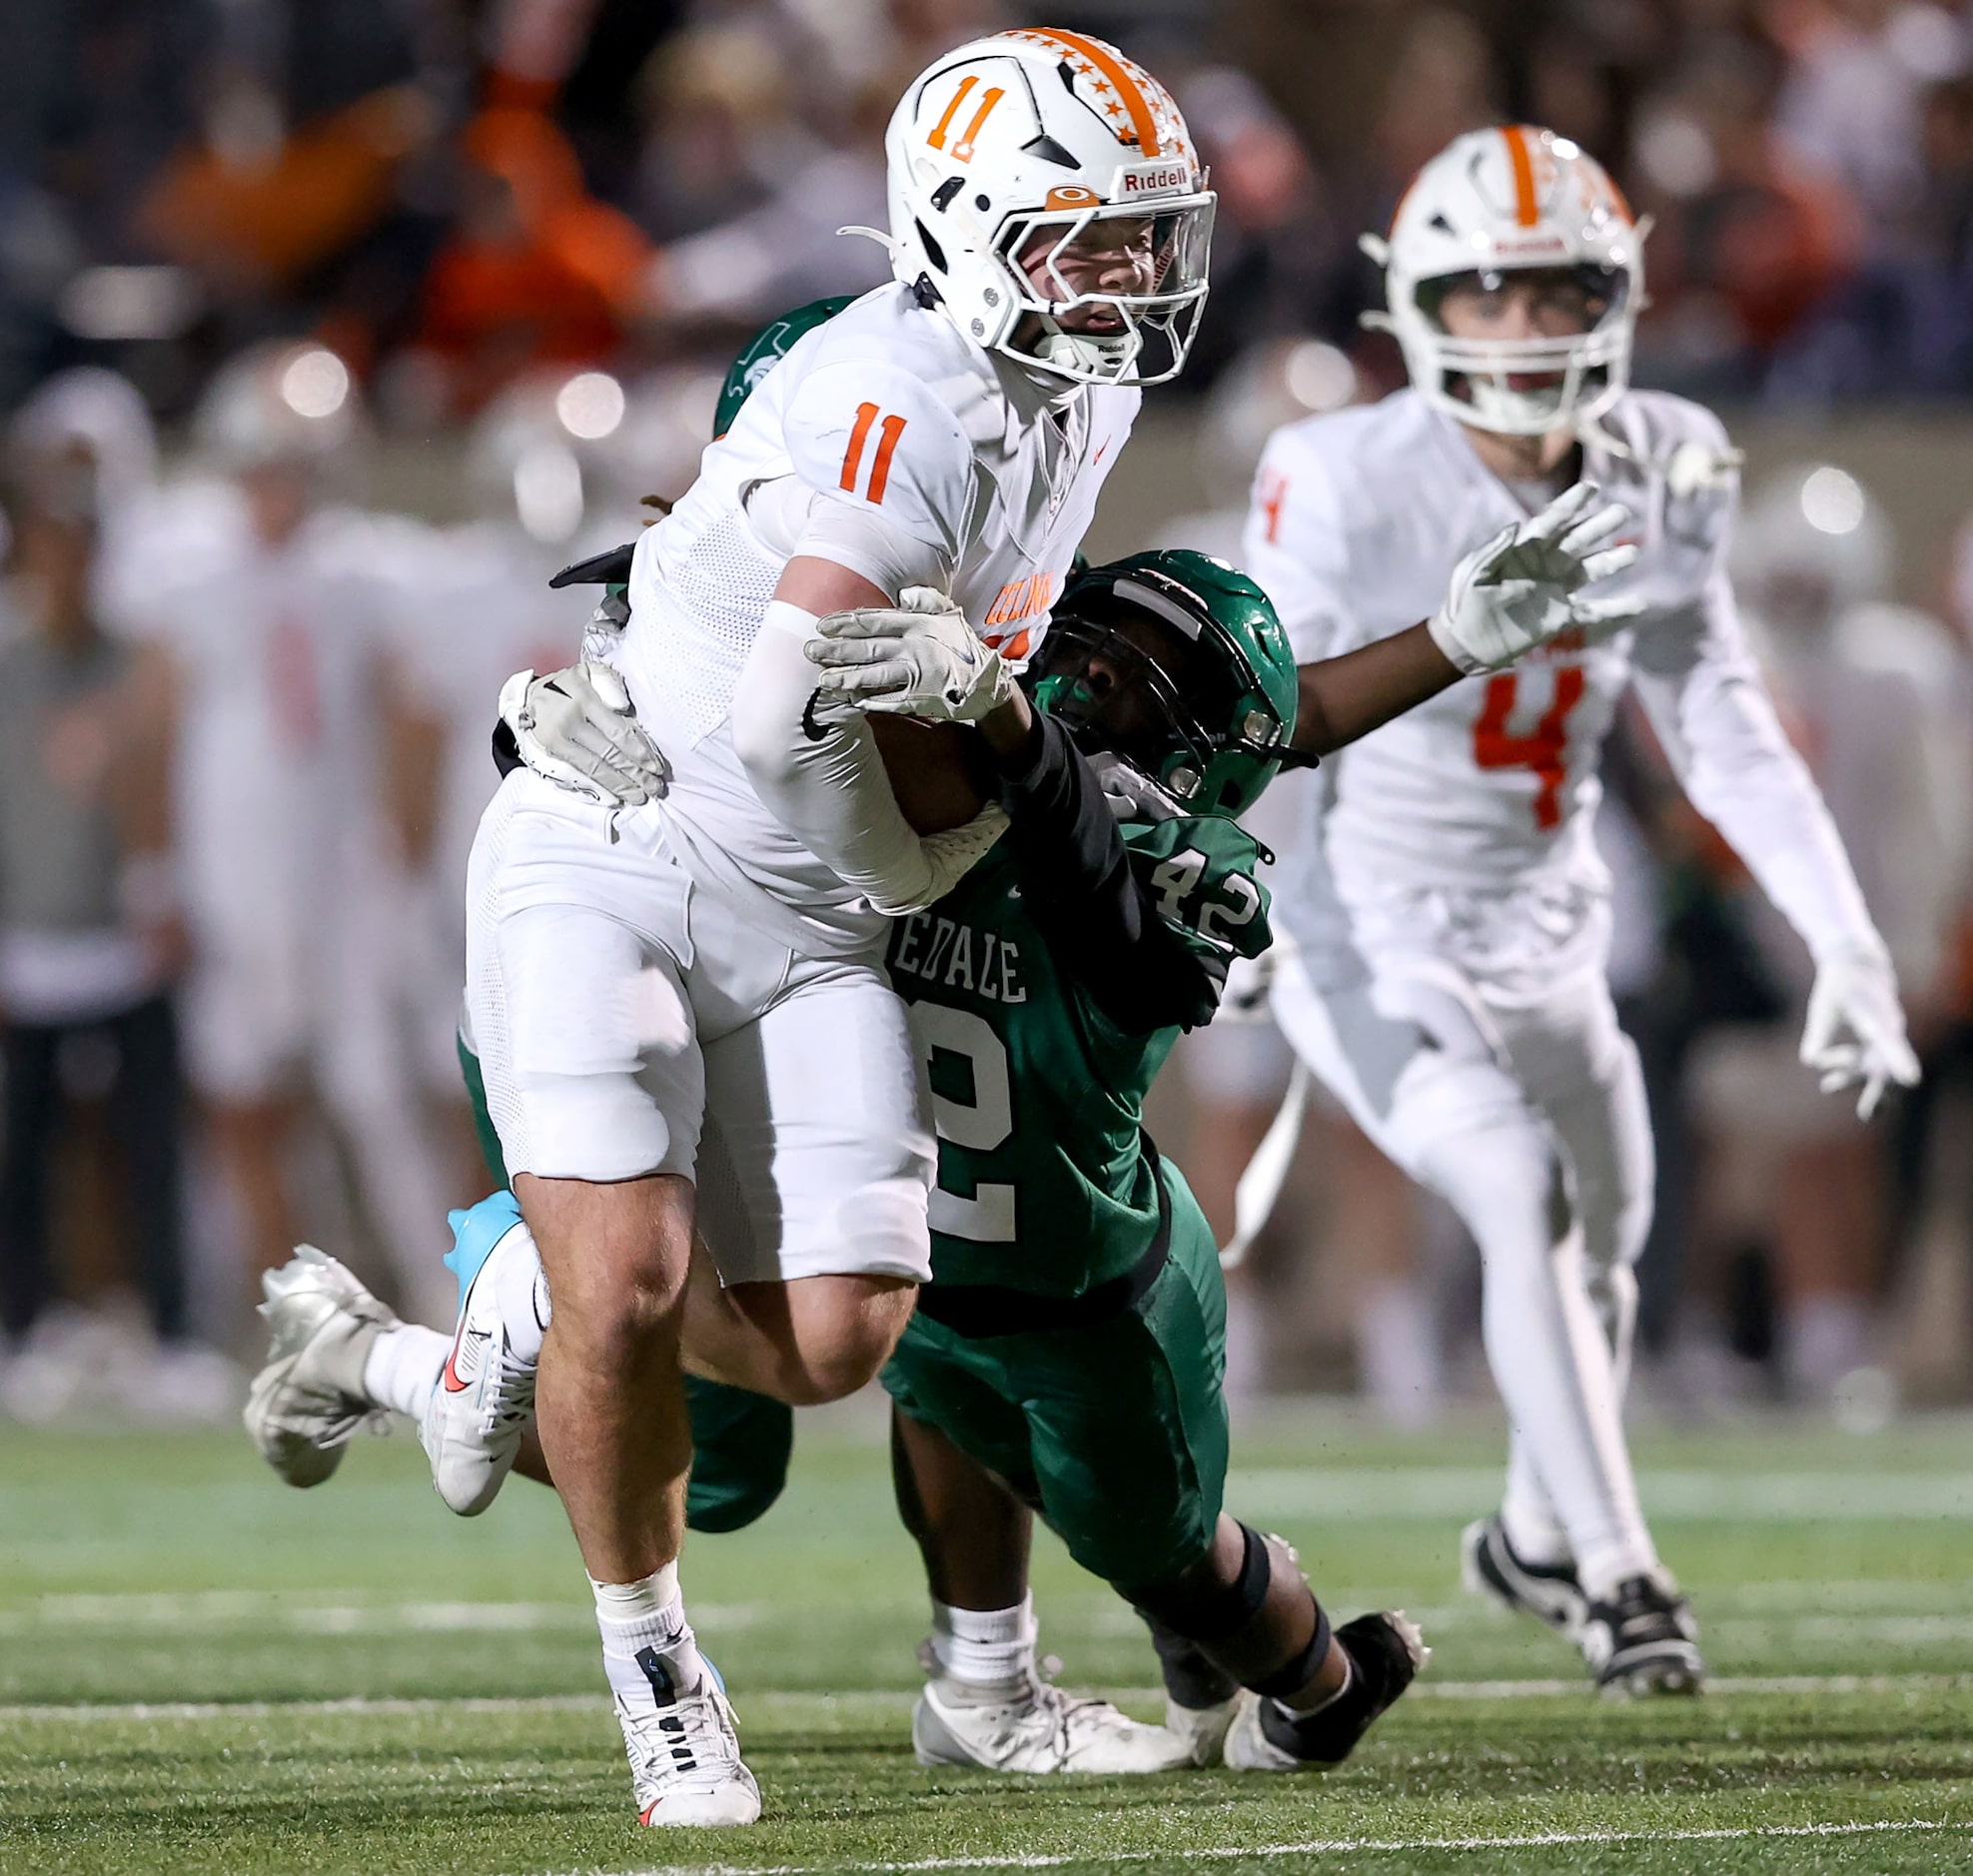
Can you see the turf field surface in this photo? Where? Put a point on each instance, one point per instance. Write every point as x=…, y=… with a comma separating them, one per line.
x=201, y=1671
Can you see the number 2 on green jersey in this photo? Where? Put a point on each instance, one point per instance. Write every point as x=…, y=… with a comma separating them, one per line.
x=981, y=1124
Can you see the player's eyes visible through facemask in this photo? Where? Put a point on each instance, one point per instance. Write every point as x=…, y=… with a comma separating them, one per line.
x=1540, y=302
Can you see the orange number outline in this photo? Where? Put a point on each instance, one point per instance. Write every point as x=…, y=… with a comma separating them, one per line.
x=1274, y=491
x=962, y=151
x=888, y=432
x=966, y=84
x=1543, y=749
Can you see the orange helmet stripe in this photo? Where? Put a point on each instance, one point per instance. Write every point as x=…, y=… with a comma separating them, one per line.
x=1528, y=211
x=1112, y=68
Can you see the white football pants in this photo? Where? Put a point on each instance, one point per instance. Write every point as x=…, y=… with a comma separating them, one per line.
x=629, y=1022
x=1529, y=1120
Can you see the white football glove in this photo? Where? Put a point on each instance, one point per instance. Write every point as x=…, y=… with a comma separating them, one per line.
x=1857, y=991
x=577, y=727
x=1132, y=794
x=606, y=625
x=1520, y=590
x=916, y=659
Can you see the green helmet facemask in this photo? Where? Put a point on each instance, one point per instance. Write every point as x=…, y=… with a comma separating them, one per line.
x=1175, y=663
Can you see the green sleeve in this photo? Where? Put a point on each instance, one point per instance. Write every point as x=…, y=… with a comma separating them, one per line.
x=1200, y=871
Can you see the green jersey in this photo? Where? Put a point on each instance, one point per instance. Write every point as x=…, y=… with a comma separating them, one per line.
x=1046, y=1182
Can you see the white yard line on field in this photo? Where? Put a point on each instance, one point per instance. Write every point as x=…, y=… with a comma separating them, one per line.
x=1755, y=1618
x=1353, y=1494
x=287, y=1609
x=763, y=1703
x=1315, y=1846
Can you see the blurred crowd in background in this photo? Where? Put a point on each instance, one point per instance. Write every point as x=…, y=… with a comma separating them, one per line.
x=330, y=327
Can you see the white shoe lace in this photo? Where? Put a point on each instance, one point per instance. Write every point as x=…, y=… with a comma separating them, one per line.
x=703, y=1724
x=509, y=1403
x=1041, y=1718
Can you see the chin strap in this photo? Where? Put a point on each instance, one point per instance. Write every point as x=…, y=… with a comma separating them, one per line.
x=885, y=240
x=1061, y=350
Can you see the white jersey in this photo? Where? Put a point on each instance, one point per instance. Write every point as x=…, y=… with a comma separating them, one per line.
x=1491, y=788
x=479, y=610
x=271, y=648
x=914, y=458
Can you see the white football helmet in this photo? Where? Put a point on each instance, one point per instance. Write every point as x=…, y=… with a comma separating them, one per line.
x=1045, y=129
x=1491, y=202
x=95, y=409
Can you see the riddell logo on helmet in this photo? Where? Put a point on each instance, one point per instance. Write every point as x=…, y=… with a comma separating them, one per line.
x=1153, y=179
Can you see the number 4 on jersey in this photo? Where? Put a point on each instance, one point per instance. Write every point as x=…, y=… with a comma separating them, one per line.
x=891, y=428
x=1544, y=749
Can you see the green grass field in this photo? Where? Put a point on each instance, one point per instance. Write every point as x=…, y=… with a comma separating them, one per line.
x=202, y=1670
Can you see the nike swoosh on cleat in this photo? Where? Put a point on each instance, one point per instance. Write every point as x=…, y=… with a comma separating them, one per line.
x=448, y=1376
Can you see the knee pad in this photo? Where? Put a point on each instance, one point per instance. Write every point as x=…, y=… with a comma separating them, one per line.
x=1197, y=1611
x=1214, y=1622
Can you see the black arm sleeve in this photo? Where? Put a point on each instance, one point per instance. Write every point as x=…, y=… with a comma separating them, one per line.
x=1096, y=916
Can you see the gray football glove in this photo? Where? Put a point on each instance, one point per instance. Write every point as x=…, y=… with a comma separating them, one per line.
x=577, y=727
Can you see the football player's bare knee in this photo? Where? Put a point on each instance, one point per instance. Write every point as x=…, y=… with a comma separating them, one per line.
x=616, y=1255
x=828, y=1336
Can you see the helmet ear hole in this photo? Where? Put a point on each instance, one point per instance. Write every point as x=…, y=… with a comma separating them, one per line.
x=933, y=251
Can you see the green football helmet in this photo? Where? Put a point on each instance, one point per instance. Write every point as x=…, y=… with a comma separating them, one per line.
x=1175, y=663
x=765, y=350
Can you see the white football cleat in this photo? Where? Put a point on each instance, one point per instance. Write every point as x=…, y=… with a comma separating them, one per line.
x=485, y=1399
x=1203, y=1729
x=1041, y=1730
x=685, y=1764
x=308, y=1400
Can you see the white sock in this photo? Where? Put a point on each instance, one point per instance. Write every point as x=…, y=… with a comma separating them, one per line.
x=403, y=1366
x=521, y=1286
x=988, y=1647
x=646, y=1618
x=1527, y=1514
